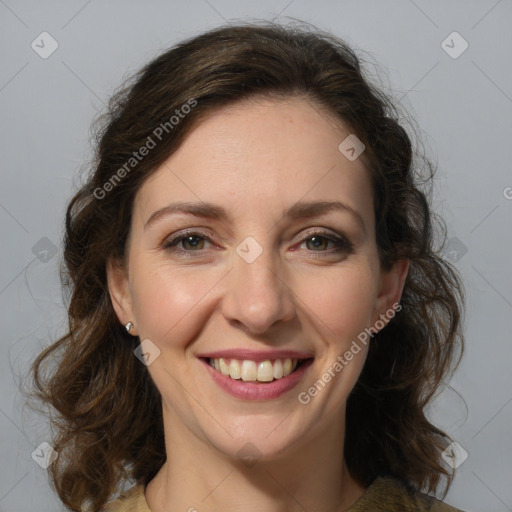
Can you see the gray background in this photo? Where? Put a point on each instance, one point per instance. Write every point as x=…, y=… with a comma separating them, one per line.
x=462, y=104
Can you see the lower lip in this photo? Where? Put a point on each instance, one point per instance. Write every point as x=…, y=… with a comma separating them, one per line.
x=258, y=390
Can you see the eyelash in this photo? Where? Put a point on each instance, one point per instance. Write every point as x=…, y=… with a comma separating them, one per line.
x=343, y=245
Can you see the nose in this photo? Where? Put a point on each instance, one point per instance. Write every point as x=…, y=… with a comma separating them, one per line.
x=257, y=296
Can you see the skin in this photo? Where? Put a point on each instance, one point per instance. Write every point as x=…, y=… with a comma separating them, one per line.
x=255, y=158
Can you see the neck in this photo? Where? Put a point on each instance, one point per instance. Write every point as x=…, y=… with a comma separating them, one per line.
x=311, y=475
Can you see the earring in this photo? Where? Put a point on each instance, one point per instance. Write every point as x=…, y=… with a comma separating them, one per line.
x=128, y=326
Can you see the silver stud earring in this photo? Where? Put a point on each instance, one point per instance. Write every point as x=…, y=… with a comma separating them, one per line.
x=128, y=326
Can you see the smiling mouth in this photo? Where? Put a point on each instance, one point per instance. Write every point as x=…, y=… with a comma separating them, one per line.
x=247, y=370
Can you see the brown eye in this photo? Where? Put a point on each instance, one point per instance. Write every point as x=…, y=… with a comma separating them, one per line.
x=319, y=242
x=193, y=241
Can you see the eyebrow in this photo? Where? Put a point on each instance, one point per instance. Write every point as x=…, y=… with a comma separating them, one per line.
x=212, y=211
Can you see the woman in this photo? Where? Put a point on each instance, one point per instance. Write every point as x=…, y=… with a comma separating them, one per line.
x=258, y=316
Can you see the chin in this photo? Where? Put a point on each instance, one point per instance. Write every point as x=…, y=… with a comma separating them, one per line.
x=252, y=438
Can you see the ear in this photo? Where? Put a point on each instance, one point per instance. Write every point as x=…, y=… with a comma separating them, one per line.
x=390, y=292
x=117, y=279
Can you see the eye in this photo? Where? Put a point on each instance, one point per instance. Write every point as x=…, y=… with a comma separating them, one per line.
x=191, y=241
x=319, y=242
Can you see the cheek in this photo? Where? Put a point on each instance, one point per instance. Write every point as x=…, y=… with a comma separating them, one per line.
x=167, y=302
x=342, y=301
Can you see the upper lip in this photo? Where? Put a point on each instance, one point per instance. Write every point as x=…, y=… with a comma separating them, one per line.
x=255, y=355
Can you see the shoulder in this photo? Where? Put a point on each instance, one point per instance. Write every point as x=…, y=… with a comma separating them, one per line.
x=383, y=495
x=132, y=500
x=391, y=495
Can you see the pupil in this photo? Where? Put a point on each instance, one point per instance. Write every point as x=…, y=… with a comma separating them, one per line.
x=316, y=241
x=193, y=241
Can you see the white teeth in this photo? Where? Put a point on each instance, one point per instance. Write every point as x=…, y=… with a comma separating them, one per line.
x=287, y=367
x=234, y=369
x=278, y=369
x=247, y=370
x=265, y=371
x=224, y=368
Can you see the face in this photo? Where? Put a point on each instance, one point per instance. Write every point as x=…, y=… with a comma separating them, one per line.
x=260, y=269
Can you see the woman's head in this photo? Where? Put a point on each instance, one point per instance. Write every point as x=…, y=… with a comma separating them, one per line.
x=256, y=129
x=266, y=273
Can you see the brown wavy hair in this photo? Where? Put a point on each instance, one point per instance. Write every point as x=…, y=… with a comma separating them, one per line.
x=106, y=409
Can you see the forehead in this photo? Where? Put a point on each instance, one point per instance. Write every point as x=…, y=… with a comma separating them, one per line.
x=261, y=155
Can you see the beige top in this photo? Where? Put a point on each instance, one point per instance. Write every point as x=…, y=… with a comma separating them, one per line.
x=383, y=495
